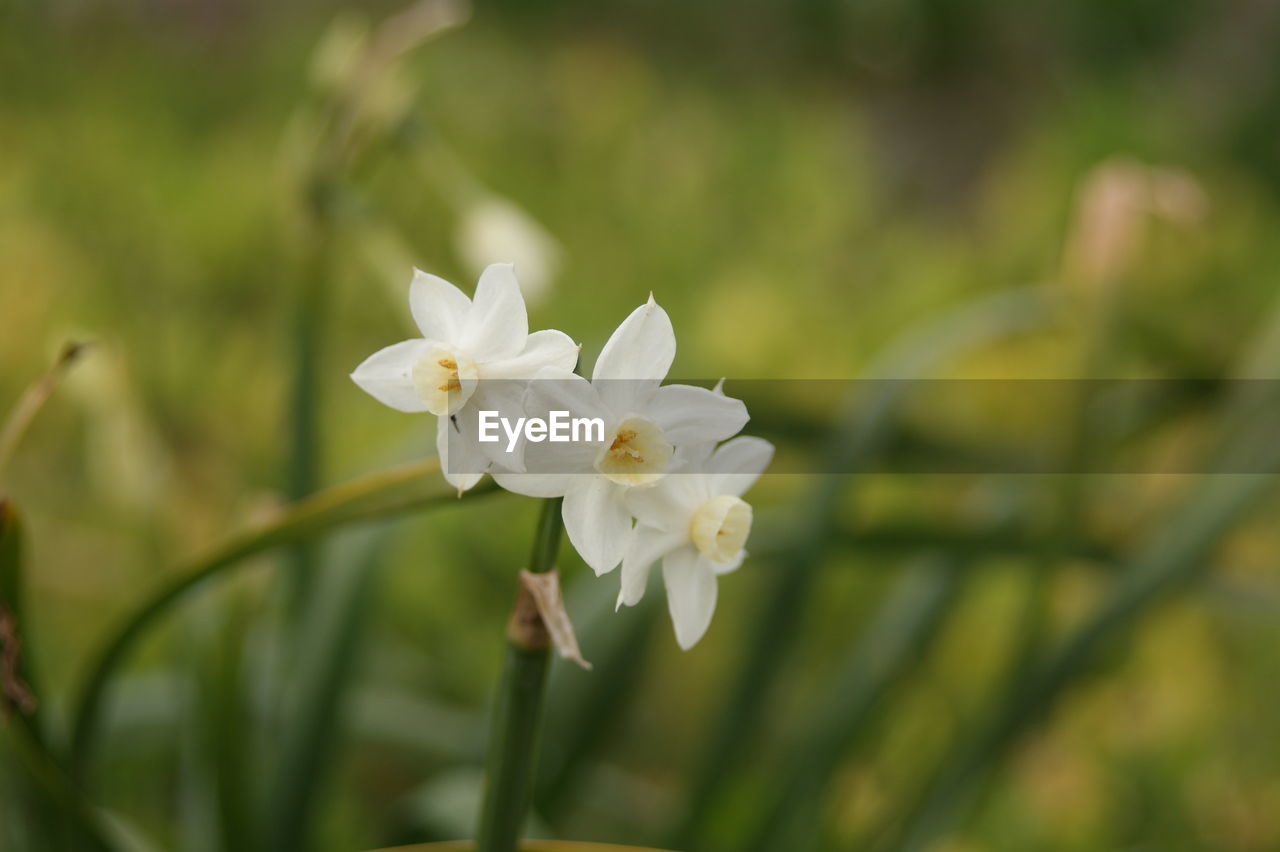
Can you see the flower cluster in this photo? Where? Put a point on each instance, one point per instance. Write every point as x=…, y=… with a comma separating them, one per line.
x=653, y=483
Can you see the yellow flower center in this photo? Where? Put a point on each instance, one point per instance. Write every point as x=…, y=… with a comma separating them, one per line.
x=636, y=455
x=720, y=526
x=444, y=379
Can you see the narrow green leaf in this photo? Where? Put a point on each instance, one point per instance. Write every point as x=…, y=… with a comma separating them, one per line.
x=583, y=707
x=78, y=826
x=1172, y=556
x=861, y=434
x=38, y=796
x=904, y=625
x=325, y=656
x=380, y=495
x=218, y=781
x=1177, y=552
x=309, y=317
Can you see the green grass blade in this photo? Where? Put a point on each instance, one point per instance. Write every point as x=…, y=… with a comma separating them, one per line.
x=327, y=649
x=45, y=803
x=903, y=627
x=860, y=435
x=218, y=721
x=381, y=495
x=310, y=315
x=1170, y=558
x=1175, y=554
x=76, y=824
x=584, y=707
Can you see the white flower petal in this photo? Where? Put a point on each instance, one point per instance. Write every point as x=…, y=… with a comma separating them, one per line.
x=387, y=375
x=497, y=325
x=438, y=307
x=546, y=348
x=505, y=399
x=553, y=389
x=732, y=565
x=567, y=458
x=691, y=594
x=691, y=458
x=736, y=465
x=463, y=481
x=461, y=461
x=647, y=546
x=669, y=504
x=597, y=522
x=692, y=415
x=535, y=484
x=636, y=358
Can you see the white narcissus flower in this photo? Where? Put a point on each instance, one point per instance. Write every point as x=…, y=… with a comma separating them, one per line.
x=697, y=523
x=494, y=227
x=471, y=356
x=644, y=423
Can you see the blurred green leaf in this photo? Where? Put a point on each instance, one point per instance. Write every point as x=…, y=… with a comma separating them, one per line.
x=1177, y=552
x=859, y=436
x=315, y=693
x=583, y=707
x=38, y=790
x=896, y=638
x=68, y=822
x=410, y=722
x=219, y=783
x=380, y=495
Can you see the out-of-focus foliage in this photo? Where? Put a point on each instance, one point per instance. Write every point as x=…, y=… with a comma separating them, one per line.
x=806, y=187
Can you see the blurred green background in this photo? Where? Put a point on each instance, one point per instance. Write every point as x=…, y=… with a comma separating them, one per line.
x=227, y=198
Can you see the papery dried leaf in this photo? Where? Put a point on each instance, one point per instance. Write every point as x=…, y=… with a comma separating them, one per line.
x=544, y=592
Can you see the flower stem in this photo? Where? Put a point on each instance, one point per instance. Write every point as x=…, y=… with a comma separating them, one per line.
x=513, y=741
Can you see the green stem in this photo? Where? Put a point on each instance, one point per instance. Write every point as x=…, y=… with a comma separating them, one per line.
x=513, y=742
x=309, y=320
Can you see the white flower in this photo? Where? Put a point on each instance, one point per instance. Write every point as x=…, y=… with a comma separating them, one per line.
x=697, y=523
x=644, y=424
x=454, y=369
x=494, y=227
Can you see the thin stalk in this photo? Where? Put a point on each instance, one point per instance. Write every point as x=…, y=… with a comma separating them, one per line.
x=304, y=440
x=33, y=399
x=513, y=743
